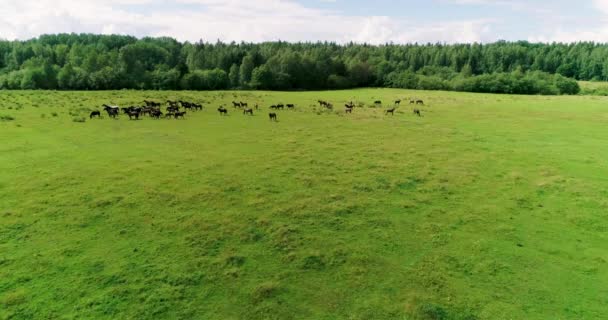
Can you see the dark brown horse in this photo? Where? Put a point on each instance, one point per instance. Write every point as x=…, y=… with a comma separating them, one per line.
x=248, y=111
x=272, y=116
x=417, y=112
x=133, y=115
x=391, y=111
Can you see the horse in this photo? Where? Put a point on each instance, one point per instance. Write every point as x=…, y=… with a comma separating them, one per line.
x=112, y=111
x=222, y=111
x=419, y=102
x=290, y=106
x=391, y=111
x=179, y=114
x=133, y=114
x=272, y=116
x=248, y=111
x=156, y=114
x=95, y=113
x=280, y=106
x=417, y=112
x=397, y=102
x=348, y=110
x=377, y=102
x=236, y=104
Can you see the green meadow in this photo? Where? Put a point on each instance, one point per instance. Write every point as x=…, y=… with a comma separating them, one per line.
x=486, y=207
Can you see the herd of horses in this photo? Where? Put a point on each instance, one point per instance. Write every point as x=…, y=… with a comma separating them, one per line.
x=177, y=109
x=151, y=109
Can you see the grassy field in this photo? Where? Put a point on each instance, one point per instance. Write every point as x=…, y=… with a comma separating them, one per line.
x=487, y=207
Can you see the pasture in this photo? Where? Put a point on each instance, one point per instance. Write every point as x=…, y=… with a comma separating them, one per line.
x=485, y=207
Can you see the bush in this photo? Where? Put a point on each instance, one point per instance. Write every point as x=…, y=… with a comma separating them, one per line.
x=6, y=118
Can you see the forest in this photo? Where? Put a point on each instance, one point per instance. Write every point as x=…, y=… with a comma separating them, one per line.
x=105, y=62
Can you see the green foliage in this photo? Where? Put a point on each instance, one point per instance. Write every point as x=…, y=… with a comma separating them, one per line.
x=206, y=80
x=103, y=62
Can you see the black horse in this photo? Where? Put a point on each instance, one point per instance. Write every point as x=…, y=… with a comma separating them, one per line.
x=272, y=116
x=95, y=114
x=133, y=115
x=112, y=111
x=391, y=111
x=248, y=111
x=417, y=112
x=222, y=111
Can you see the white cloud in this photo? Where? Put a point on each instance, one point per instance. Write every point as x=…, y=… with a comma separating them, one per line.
x=227, y=20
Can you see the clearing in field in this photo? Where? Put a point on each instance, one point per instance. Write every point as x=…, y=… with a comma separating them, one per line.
x=483, y=207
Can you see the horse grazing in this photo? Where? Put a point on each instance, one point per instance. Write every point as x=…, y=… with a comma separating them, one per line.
x=419, y=102
x=95, y=114
x=248, y=111
x=280, y=106
x=397, y=102
x=391, y=111
x=272, y=116
x=417, y=112
x=377, y=102
x=179, y=115
x=290, y=106
x=236, y=104
x=222, y=111
x=197, y=106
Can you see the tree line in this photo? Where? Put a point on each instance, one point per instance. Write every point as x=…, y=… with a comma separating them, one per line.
x=102, y=62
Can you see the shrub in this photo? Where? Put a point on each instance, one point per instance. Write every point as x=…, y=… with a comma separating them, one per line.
x=6, y=118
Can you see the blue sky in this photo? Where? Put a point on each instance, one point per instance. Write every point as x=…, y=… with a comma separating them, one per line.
x=377, y=21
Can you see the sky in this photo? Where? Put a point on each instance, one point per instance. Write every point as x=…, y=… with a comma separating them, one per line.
x=374, y=22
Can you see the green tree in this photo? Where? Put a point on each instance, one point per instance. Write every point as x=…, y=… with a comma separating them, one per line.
x=246, y=70
x=234, y=76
